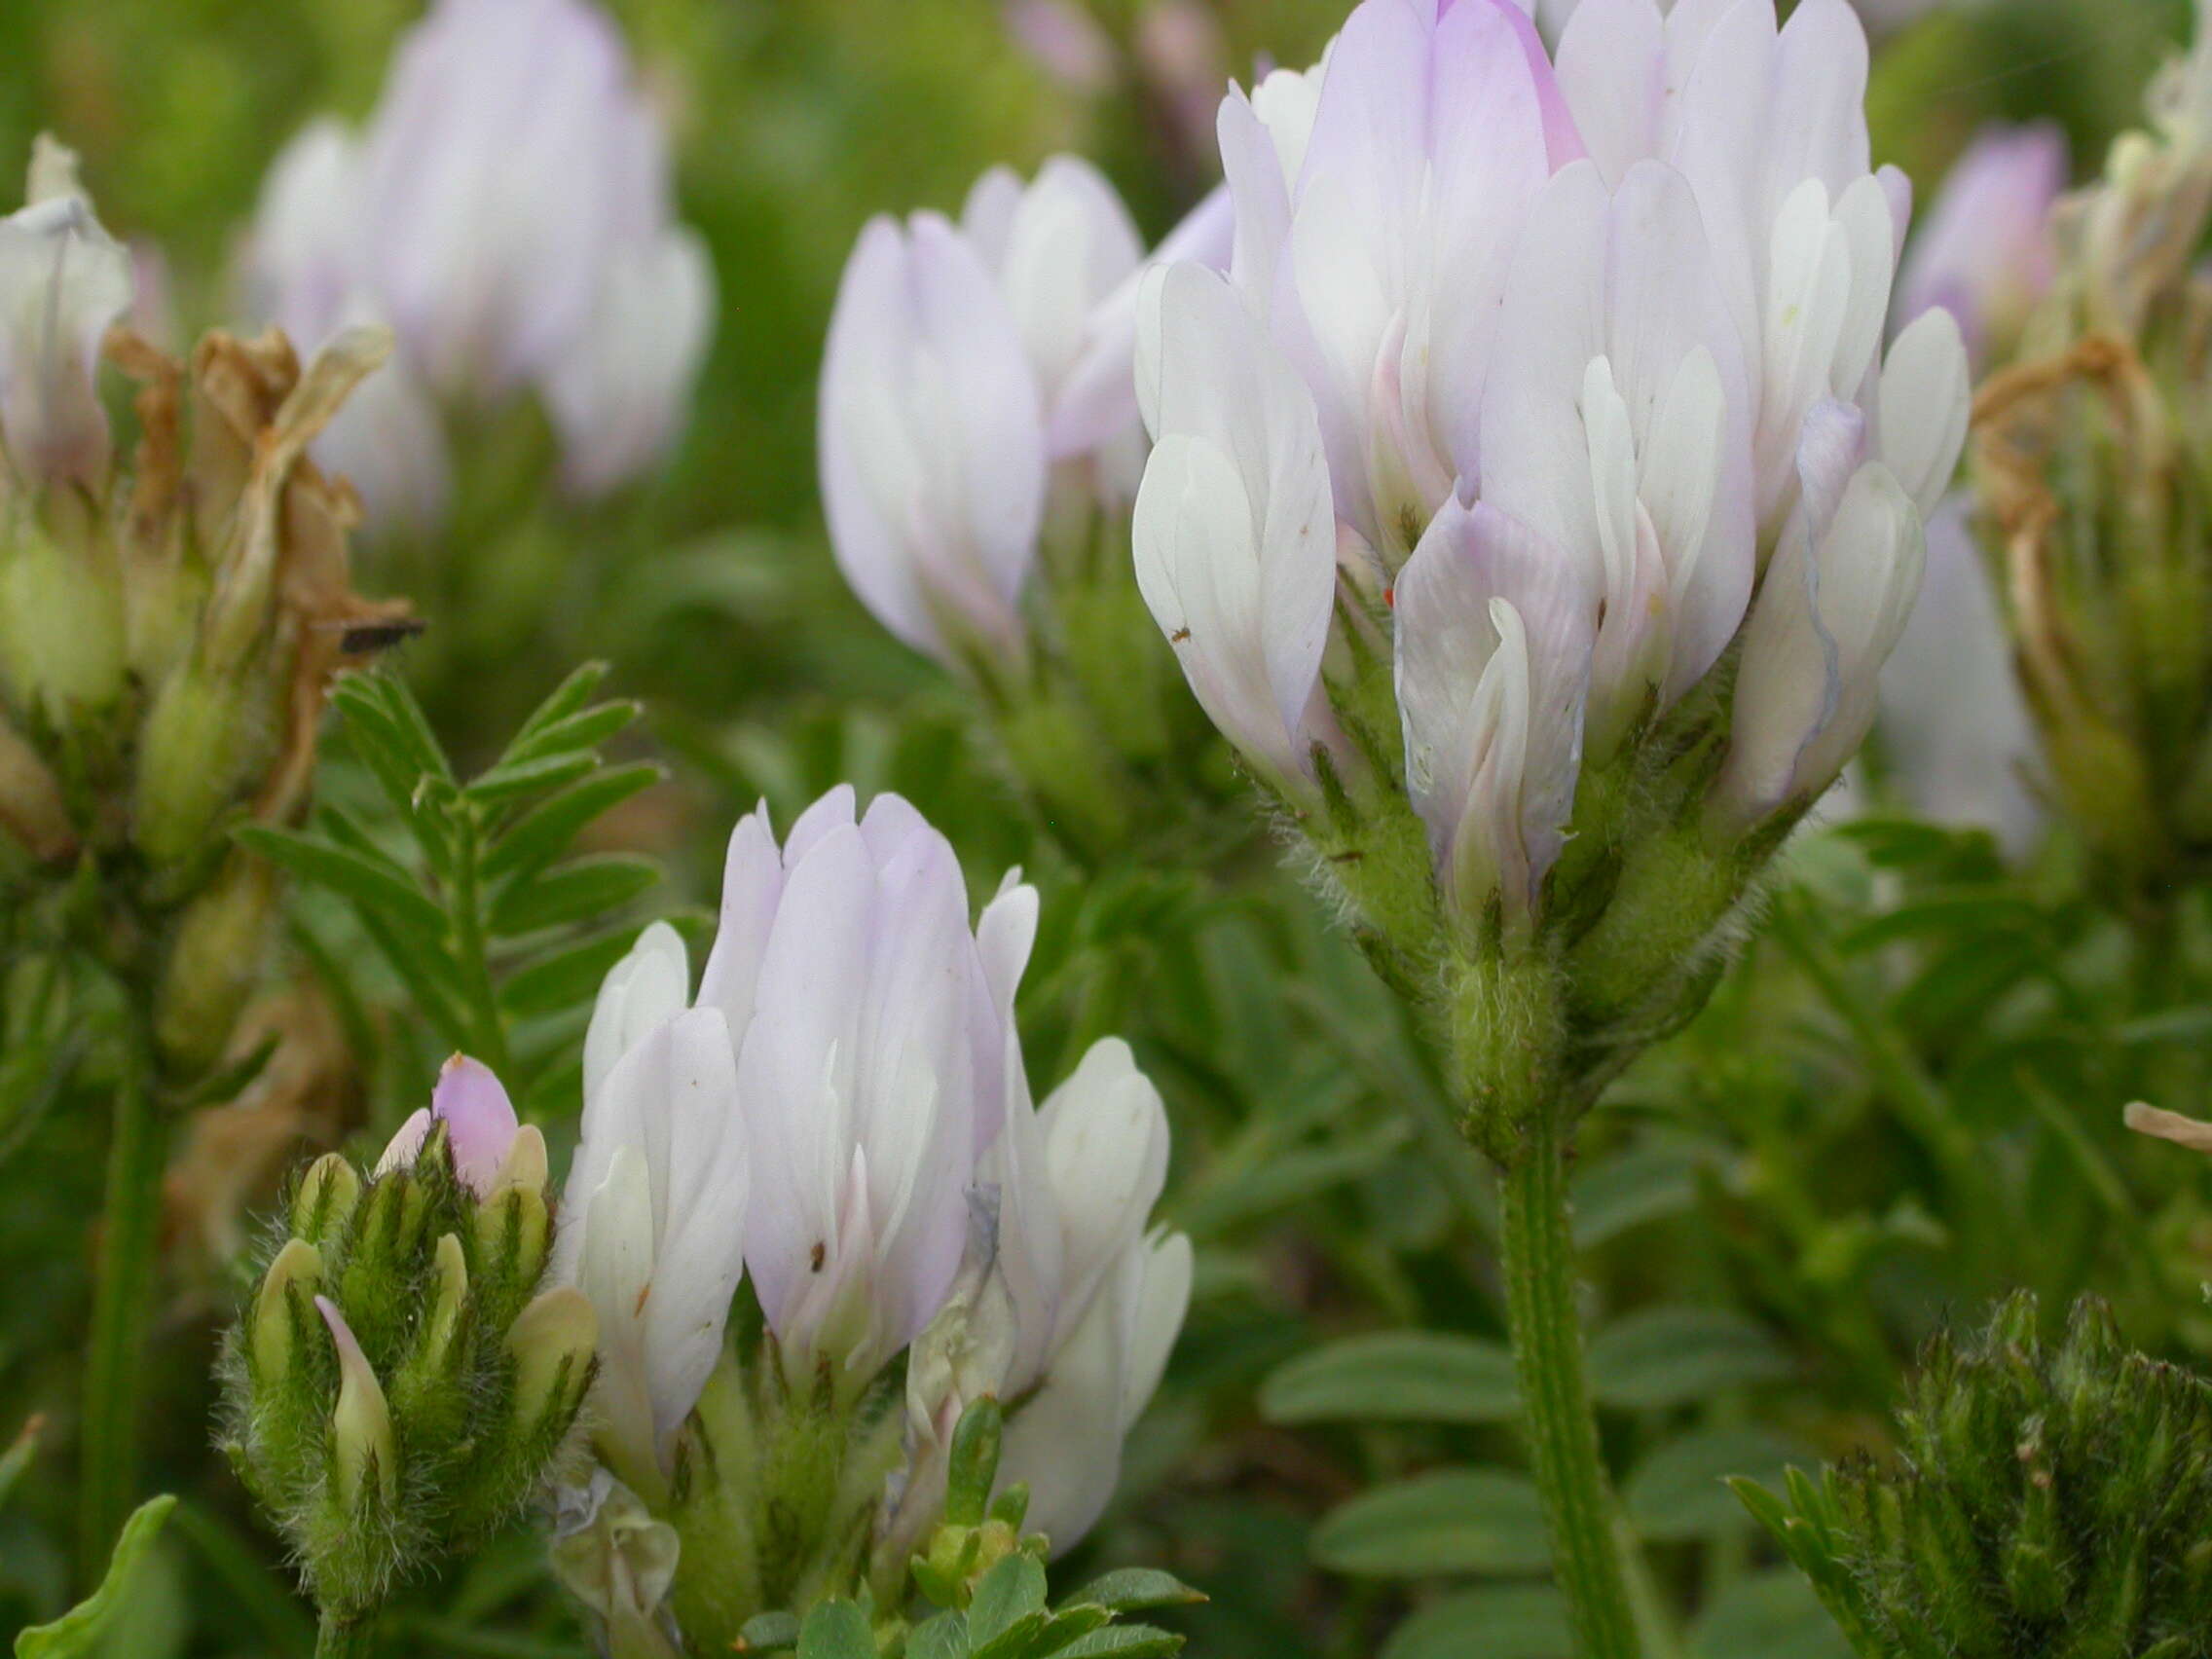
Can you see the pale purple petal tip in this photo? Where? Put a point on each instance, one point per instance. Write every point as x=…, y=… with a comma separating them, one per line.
x=478, y=1117
x=341, y=1334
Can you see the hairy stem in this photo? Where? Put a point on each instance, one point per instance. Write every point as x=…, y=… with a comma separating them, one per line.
x=1555, y=1394
x=121, y=1309
x=345, y=1638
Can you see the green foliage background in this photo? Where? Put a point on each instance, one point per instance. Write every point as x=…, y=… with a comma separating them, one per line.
x=1904, y=1103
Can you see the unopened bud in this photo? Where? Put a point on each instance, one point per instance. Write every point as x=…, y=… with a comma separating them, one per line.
x=553, y=1342
x=325, y=1199
x=525, y=1168
x=190, y=755
x=386, y=1239
x=279, y=1311
x=61, y=629
x=513, y=1230
x=364, y=1457
x=31, y=808
x=213, y=965
x=449, y=1295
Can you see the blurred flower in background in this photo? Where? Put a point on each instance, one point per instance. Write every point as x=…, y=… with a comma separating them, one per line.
x=507, y=212
x=1956, y=732
x=1985, y=251
x=1552, y=14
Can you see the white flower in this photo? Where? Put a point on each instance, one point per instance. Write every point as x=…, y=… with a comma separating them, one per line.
x=63, y=279
x=932, y=441
x=653, y=1223
x=969, y=368
x=1235, y=536
x=1071, y=1305
x=1495, y=630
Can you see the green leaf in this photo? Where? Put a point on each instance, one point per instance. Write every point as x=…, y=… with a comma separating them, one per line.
x=1973, y=910
x=836, y=1630
x=1681, y=1489
x=382, y=743
x=944, y=1636
x=1060, y=1630
x=1123, y=1641
x=973, y=1466
x=1135, y=1590
x=1394, y=1377
x=543, y=832
x=77, y=1631
x=382, y=701
x=566, y=977
x=16, y=1458
x=1449, y=1521
x=571, y=694
x=1498, y=1621
x=575, y=891
x=1773, y=1614
x=511, y=780
x=1674, y=1353
x=769, y=1633
x=368, y=883
x=585, y=729
x=1644, y=1183
x=1010, y=1593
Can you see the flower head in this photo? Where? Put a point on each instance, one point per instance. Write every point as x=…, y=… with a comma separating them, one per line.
x=507, y=211
x=1592, y=350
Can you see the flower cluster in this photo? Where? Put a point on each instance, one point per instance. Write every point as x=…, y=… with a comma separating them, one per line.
x=399, y=1386
x=841, y=1118
x=506, y=213
x=1536, y=463
x=167, y=630
x=2087, y=464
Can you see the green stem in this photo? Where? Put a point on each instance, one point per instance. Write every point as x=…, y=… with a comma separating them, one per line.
x=339, y=1638
x=122, y=1309
x=1555, y=1394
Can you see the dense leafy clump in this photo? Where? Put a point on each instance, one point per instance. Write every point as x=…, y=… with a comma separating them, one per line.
x=2046, y=1500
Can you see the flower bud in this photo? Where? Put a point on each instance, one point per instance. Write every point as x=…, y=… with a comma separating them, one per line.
x=552, y=1341
x=453, y=1393
x=61, y=628
x=63, y=279
x=31, y=809
x=213, y=965
x=440, y=1346
x=279, y=1309
x=364, y=1458
x=322, y=1204
x=195, y=741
